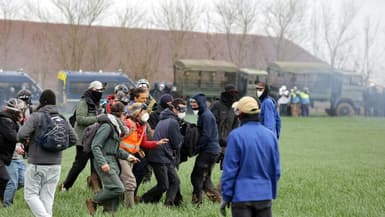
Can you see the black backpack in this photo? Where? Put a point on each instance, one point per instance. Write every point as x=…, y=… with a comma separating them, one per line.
x=190, y=132
x=89, y=134
x=54, y=132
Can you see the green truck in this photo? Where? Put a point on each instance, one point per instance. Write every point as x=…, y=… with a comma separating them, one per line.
x=343, y=90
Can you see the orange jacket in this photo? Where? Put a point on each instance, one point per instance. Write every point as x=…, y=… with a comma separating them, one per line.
x=136, y=139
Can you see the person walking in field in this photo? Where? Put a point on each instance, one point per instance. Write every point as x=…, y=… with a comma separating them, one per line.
x=269, y=115
x=251, y=167
x=87, y=112
x=43, y=170
x=208, y=150
x=10, y=119
x=106, y=152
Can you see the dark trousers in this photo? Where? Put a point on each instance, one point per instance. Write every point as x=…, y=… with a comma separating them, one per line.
x=139, y=170
x=78, y=165
x=305, y=110
x=167, y=180
x=4, y=178
x=252, y=209
x=201, y=174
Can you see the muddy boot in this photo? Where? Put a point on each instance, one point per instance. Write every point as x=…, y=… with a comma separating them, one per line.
x=93, y=182
x=129, y=199
x=196, y=199
x=91, y=206
x=213, y=196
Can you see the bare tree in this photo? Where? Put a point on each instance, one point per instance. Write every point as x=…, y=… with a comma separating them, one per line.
x=179, y=17
x=284, y=20
x=72, y=43
x=237, y=17
x=335, y=35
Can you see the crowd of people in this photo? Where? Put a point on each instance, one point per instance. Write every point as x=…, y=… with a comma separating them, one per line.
x=134, y=134
x=294, y=102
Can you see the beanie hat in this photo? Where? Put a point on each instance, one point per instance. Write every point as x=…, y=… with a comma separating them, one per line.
x=230, y=88
x=247, y=105
x=261, y=85
x=96, y=85
x=47, y=97
x=165, y=99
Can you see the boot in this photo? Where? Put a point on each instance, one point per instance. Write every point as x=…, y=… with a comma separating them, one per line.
x=213, y=196
x=91, y=206
x=93, y=182
x=196, y=199
x=129, y=199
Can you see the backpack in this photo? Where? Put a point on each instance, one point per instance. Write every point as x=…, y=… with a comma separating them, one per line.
x=190, y=132
x=88, y=136
x=72, y=119
x=54, y=133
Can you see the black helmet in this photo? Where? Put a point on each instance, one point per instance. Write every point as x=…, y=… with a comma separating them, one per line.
x=25, y=95
x=121, y=87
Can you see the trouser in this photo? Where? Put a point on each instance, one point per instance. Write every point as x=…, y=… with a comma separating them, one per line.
x=167, y=180
x=295, y=109
x=78, y=165
x=139, y=170
x=4, y=178
x=305, y=110
x=16, y=171
x=201, y=174
x=126, y=175
x=252, y=209
x=40, y=186
x=112, y=187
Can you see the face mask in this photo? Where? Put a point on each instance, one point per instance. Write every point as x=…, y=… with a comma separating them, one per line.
x=195, y=112
x=145, y=117
x=97, y=95
x=181, y=115
x=259, y=93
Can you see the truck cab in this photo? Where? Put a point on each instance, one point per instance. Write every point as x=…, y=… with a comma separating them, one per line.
x=208, y=77
x=253, y=77
x=12, y=82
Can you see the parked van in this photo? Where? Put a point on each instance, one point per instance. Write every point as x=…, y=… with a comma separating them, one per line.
x=72, y=85
x=12, y=82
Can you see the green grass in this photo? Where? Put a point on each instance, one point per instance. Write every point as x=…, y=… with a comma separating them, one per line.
x=330, y=167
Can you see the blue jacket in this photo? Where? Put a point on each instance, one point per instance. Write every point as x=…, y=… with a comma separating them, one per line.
x=208, y=130
x=251, y=167
x=269, y=116
x=167, y=127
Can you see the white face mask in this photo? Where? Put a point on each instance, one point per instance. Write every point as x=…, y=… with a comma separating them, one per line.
x=195, y=112
x=181, y=115
x=259, y=93
x=145, y=117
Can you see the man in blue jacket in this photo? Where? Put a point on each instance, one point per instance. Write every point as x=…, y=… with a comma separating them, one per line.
x=251, y=167
x=208, y=150
x=269, y=115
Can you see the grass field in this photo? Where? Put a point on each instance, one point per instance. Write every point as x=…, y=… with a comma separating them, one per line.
x=331, y=167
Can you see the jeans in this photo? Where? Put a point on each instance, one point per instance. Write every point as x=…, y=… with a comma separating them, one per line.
x=167, y=181
x=16, y=171
x=39, y=188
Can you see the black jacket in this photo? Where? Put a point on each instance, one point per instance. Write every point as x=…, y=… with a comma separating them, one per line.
x=168, y=127
x=8, y=137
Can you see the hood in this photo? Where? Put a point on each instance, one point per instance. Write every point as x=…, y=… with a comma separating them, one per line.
x=6, y=114
x=228, y=99
x=167, y=113
x=111, y=119
x=49, y=108
x=201, y=99
x=265, y=93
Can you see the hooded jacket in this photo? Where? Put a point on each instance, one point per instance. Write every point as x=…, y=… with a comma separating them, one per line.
x=168, y=127
x=208, y=131
x=8, y=137
x=30, y=130
x=269, y=115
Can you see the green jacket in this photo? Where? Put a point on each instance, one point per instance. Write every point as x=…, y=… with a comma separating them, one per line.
x=105, y=147
x=84, y=118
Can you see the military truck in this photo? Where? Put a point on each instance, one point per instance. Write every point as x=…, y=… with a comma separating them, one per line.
x=72, y=85
x=12, y=82
x=207, y=76
x=253, y=77
x=342, y=90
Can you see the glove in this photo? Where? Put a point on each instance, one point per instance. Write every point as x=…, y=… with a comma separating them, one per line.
x=222, y=209
x=132, y=159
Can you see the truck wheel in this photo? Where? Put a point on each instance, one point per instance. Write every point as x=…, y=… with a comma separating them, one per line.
x=344, y=109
